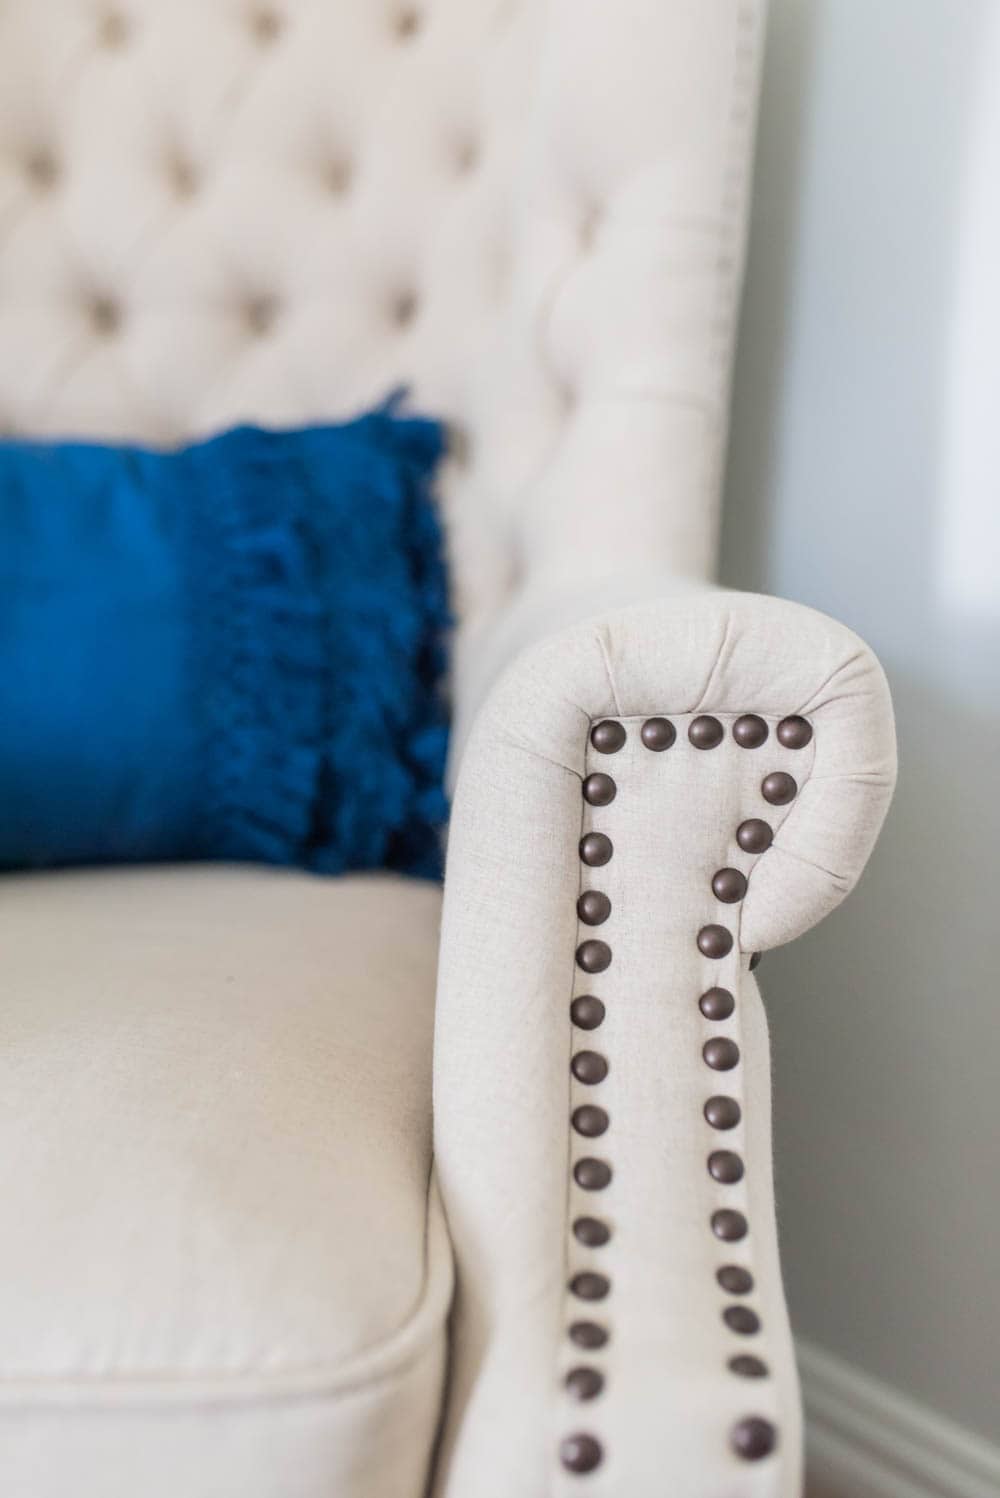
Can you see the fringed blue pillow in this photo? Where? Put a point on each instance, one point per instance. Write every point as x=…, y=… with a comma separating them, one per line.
x=234, y=651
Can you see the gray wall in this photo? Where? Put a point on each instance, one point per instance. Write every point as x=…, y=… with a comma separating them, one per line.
x=861, y=481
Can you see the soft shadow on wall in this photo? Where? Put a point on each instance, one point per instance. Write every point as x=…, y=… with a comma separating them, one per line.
x=844, y=492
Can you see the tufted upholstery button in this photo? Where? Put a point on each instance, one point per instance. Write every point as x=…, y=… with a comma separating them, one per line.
x=590, y=1286
x=41, y=170
x=593, y=956
x=750, y=731
x=403, y=309
x=337, y=176
x=590, y=222
x=589, y=1068
x=705, y=732
x=607, y=737
x=729, y=885
x=589, y=1121
x=658, y=734
x=596, y=849
x=588, y=1334
x=260, y=315
x=715, y=941
x=591, y=1232
x=467, y=156
x=593, y=907
x=407, y=23
x=753, y=1438
x=592, y=1175
x=779, y=788
x=587, y=1012
x=728, y=1225
x=580, y=1453
x=717, y=1003
x=720, y=1053
x=735, y=1279
x=113, y=30
x=266, y=25
x=794, y=733
x=599, y=790
x=182, y=176
x=723, y=1112
x=105, y=316
x=754, y=835
x=584, y=1383
x=746, y=1366
x=725, y=1167
x=742, y=1320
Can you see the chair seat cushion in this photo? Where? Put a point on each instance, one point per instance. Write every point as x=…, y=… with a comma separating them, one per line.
x=223, y=1268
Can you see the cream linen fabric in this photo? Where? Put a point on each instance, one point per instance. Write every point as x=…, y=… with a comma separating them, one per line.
x=503, y=1090
x=532, y=211
x=223, y=1270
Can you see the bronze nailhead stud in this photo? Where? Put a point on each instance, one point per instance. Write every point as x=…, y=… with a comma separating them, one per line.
x=794, y=733
x=754, y=836
x=588, y=1334
x=580, y=1453
x=725, y=1167
x=591, y=1232
x=589, y=1121
x=593, y=956
x=658, y=734
x=728, y=1225
x=599, y=789
x=717, y=1004
x=593, y=907
x=705, y=732
x=584, y=1383
x=595, y=849
x=607, y=737
x=729, y=885
x=747, y=1366
x=721, y=1053
x=734, y=1279
x=750, y=731
x=588, y=1067
x=753, y=1438
x=715, y=941
x=723, y=1112
x=742, y=1320
x=592, y=1175
x=778, y=788
x=589, y=1286
x=587, y=1012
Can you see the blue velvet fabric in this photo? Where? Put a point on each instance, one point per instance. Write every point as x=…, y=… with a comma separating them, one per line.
x=231, y=651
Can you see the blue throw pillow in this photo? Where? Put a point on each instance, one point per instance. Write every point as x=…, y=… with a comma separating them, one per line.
x=231, y=651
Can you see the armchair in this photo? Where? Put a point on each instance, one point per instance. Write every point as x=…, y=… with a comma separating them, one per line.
x=230, y=1239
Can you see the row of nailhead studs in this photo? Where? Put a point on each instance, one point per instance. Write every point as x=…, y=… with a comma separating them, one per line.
x=752, y=1437
x=581, y=1452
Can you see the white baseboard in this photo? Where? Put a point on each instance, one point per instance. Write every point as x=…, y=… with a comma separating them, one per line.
x=866, y=1440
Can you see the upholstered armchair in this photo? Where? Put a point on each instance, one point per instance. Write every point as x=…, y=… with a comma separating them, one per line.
x=237, y=1257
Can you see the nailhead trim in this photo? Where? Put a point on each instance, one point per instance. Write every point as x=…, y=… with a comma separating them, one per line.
x=582, y=1452
x=752, y=1437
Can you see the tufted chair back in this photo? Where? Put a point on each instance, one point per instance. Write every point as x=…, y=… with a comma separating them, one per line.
x=529, y=211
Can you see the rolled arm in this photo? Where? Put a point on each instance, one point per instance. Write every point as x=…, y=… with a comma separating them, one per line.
x=602, y=1093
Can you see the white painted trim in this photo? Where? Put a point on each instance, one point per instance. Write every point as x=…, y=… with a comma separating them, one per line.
x=865, y=1439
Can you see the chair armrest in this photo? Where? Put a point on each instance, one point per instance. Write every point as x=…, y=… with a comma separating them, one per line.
x=575, y=1061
